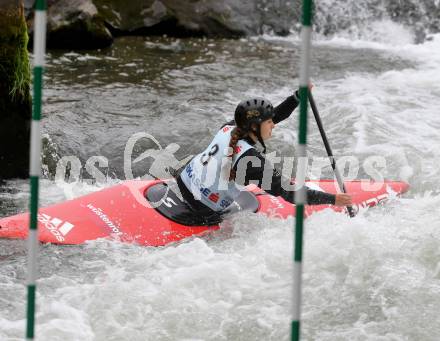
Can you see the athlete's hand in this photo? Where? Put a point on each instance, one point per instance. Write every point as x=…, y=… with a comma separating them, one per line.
x=343, y=199
x=296, y=93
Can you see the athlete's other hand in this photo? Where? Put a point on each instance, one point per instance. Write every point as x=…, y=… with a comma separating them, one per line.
x=343, y=199
x=296, y=93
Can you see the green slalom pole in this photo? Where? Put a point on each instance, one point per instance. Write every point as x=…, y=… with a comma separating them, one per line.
x=300, y=195
x=35, y=166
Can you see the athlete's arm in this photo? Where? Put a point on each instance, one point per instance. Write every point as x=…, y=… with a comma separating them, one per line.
x=285, y=109
x=254, y=173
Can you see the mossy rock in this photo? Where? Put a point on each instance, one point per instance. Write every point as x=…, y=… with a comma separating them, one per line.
x=14, y=58
x=15, y=99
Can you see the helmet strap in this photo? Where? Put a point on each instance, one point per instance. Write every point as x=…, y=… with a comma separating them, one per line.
x=260, y=139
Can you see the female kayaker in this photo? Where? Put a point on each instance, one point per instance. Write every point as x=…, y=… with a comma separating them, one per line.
x=214, y=178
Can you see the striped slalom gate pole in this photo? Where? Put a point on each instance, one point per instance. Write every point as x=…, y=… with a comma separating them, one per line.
x=35, y=166
x=300, y=195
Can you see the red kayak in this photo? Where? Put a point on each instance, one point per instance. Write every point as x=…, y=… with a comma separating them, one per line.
x=149, y=213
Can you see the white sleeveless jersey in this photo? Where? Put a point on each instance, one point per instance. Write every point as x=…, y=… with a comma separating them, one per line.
x=207, y=175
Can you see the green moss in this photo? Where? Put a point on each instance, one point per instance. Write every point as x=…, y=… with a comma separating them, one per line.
x=21, y=76
x=14, y=59
x=15, y=98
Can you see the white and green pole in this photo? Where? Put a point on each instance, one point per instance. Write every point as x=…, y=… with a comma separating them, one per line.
x=35, y=166
x=300, y=195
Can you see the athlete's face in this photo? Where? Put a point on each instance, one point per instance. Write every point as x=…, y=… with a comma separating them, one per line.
x=266, y=129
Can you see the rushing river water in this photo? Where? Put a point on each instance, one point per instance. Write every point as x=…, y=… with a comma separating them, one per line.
x=375, y=277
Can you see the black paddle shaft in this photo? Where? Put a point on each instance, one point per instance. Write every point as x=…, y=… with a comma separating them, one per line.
x=350, y=209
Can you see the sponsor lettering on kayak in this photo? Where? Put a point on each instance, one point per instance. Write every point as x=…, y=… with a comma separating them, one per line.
x=55, y=226
x=375, y=201
x=115, y=228
x=274, y=200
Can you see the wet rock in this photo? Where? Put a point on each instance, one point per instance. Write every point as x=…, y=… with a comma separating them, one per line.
x=15, y=99
x=198, y=17
x=93, y=23
x=49, y=156
x=86, y=23
x=75, y=24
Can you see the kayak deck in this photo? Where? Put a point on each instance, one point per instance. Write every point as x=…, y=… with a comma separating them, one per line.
x=123, y=213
